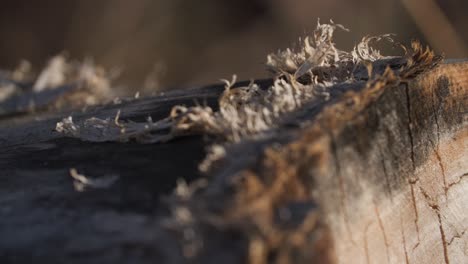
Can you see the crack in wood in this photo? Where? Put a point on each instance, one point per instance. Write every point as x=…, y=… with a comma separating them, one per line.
x=382, y=229
x=366, y=246
x=441, y=166
x=387, y=179
x=436, y=115
x=437, y=145
x=429, y=200
x=458, y=181
x=435, y=207
x=403, y=238
x=444, y=241
x=416, y=215
x=457, y=236
x=442, y=169
x=410, y=123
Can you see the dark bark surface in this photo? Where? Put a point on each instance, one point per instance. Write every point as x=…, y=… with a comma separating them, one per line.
x=43, y=218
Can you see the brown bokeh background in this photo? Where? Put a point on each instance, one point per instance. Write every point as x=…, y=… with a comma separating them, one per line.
x=161, y=44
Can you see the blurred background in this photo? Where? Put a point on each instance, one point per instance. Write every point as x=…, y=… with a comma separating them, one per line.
x=163, y=44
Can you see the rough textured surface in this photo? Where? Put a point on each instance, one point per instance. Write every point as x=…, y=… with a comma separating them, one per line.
x=379, y=176
x=392, y=185
x=342, y=157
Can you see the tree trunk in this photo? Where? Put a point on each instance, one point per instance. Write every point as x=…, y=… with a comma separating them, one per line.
x=377, y=174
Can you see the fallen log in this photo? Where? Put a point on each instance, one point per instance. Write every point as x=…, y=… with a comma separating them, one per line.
x=372, y=171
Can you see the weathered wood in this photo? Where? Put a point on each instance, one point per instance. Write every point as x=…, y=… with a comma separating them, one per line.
x=391, y=178
x=375, y=175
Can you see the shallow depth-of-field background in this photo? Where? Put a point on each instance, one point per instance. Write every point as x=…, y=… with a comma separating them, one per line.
x=160, y=44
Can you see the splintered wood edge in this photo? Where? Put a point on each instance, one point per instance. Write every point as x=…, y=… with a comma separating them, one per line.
x=389, y=166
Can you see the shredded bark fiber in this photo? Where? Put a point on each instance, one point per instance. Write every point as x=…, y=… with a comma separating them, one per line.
x=271, y=204
x=306, y=76
x=257, y=202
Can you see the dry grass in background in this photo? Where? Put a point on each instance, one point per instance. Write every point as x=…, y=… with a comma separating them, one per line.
x=163, y=44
